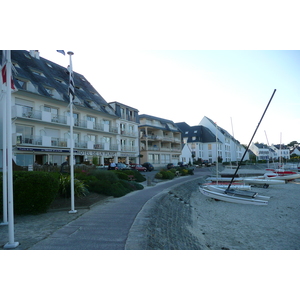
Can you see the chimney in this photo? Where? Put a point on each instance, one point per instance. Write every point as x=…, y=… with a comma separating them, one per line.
x=35, y=54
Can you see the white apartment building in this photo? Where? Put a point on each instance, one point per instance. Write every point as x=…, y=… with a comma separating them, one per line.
x=209, y=142
x=41, y=117
x=229, y=148
x=282, y=151
x=160, y=141
x=263, y=152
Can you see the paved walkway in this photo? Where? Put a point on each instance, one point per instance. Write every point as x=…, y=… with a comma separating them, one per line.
x=105, y=226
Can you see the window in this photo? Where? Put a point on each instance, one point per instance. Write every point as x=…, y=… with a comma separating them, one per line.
x=22, y=83
x=24, y=159
x=53, y=110
x=106, y=139
x=59, y=80
x=123, y=116
x=24, y=130
x=209, y=146
x=49, y=91
x=92, y=119
x=91, y=137
x=36, y=72
x=76, y=137
x=15, y=64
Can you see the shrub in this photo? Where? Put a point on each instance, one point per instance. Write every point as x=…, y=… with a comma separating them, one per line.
x=34, y=192
x=80, y=188
x=104, y=175
x=158, y=175
x=137, y=175
x=121, y=175
x=167, y=174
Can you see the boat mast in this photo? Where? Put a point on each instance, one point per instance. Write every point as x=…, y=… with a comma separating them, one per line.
x=240, y=162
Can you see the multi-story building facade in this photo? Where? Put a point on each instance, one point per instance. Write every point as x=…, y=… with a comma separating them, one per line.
x=229, y=148
x=263, y=151
x=160, y=141
x=282, y=151
x=200, y=140
x=211, y=143
x=41, y=117
x=128, y=138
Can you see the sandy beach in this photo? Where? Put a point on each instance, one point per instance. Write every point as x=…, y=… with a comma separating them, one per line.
x=223, y=225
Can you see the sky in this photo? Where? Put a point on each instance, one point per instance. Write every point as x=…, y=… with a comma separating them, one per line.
x=231, y=87
x=179, y=61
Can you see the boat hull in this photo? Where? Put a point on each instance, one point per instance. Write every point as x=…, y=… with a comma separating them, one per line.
x=263, y=181
x=230, y=198
x=220, y=189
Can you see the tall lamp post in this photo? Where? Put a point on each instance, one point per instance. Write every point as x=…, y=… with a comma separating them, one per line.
x=71, y=161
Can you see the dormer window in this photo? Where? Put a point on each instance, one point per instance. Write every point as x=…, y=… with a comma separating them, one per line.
x=92, y=104
x=27, y=55
x=49, y=65
x=36, y=72
x=22, y=83
x=59, y=80
x=15, y=65
x=49, y=91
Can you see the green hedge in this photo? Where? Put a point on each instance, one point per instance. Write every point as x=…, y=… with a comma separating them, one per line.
x=33, y=192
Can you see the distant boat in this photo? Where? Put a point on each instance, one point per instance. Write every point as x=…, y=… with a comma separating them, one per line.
x=281, y=174
x=264, y=181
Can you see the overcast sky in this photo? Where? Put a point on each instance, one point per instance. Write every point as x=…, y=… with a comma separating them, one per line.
x=230, y=87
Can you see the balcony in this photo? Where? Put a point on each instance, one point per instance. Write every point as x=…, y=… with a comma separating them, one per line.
x=128, y=149
x=151, y=137
x=28, y=113
x=129, y=133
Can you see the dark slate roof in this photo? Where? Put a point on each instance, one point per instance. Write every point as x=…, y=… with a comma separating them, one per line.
x=264, y=146
x=283, y=147
x=52, y=71
x=261, y=146
x=183, y=127
x=164, y=122
x=223, y=131
x=202, y=133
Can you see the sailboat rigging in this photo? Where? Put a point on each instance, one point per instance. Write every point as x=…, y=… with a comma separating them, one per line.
x=231, y=195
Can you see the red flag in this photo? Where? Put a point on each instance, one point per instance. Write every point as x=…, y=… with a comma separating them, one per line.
x=3, y=71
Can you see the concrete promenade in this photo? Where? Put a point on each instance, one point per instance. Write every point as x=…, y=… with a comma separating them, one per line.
x=107, y=226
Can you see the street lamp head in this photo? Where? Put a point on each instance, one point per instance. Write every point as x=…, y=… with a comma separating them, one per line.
x=70, y=52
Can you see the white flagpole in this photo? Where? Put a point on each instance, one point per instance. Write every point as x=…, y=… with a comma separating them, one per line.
x=71, y=160
x=10, y=193
x=4, y=158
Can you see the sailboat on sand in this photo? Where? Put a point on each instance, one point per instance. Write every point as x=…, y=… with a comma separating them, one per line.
x=233, y=195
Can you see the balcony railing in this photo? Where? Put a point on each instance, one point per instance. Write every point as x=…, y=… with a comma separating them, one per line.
x=19, y=111
x=128, y=149
x=129, y=133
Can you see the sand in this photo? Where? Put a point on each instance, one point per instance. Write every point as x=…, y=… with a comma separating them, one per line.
x=223, y=225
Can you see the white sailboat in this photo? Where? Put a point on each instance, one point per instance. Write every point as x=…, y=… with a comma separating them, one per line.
x=233, y=198
x=231, y=195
